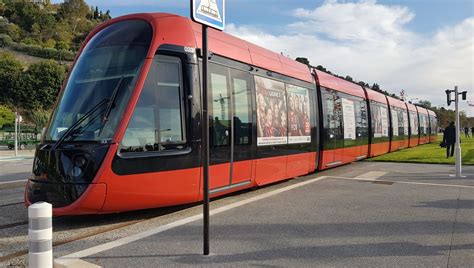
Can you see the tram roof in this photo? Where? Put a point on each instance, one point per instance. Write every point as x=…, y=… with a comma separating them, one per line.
x=411, y=107
x=336, y=83
x=376, y=96
x=396, y=102
x=421, y=110
x=178, y=30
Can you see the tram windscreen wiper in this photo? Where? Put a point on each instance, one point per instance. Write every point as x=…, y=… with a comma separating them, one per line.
x=112, y=100
x=76, y=124
x=111, y=104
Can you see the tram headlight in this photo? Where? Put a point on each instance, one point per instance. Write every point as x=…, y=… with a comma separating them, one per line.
x=80, y=161
x=76, y=172
x=79, y=165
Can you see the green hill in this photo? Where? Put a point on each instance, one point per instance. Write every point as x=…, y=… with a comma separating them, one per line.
x=45, y=30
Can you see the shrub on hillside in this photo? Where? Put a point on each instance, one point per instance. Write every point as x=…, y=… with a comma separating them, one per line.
x=7, y=116
x=36, y=50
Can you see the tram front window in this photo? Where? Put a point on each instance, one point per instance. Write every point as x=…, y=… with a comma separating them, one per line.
x=101, y=83
x=157, y=121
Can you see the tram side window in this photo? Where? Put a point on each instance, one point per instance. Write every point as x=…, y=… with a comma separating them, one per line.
x=220, y=103
x=433, y=125
x=157, y=121
x=426, y=127
x=332, y=119
x=242, y=108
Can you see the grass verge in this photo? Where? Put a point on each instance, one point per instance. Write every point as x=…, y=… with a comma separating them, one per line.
x=430, y=154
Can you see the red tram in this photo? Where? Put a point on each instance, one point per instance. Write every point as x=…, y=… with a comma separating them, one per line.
x=126, y=129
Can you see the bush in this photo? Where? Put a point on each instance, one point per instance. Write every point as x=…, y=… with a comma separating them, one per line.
x=50, y=43
x=5, y=40
x=61, y=45
x=31, y=41
x=37, y=51
x=7, y=116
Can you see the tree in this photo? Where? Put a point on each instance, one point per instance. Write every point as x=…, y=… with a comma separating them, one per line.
x=301, y=59
x=321, y=68
x=348, y=78
x=7, y=116
x=106, y=16
x=21, y=12
x=38, y=117
x=2, y=8
x=10, y=73
x=362, y=83
x=42, y=82
x=74, y=11
x=424, y=103
x=96, y=12
x=376, y=86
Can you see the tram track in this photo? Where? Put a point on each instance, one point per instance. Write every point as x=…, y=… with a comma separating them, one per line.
x=63, y=225
x=20, y=253
x=12, y=225
x=12, y=204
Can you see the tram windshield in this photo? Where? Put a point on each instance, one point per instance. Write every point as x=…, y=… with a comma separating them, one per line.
x=101, y=83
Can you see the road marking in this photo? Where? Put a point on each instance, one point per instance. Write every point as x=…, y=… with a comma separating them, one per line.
x=73, y=263
x=73, y=257
x=11, y=182
x=372, y=175
x=404, y=182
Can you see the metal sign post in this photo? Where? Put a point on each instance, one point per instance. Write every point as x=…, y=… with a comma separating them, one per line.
x=205, y=142
x=210, y=13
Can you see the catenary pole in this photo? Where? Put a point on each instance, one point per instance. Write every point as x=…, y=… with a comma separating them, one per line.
x=205, y=142
x=458, y=133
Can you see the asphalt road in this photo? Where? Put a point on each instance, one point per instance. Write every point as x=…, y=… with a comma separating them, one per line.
x=392, y=215
x=15, y=169
x=364, y=214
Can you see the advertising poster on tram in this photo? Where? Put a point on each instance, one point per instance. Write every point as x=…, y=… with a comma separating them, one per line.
x=395, y=122
x=299, y=126
x=414, y=124
x=271, y=112
x=380, y=121
x=377, y=121
x=348, y=114
x=405, y=123
x=384, y=117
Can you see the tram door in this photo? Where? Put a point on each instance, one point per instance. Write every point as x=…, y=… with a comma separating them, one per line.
x=230, y=124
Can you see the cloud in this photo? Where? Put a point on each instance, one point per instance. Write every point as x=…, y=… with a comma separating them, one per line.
x=372, y=42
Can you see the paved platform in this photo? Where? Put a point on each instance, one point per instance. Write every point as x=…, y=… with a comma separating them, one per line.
x=365, y=215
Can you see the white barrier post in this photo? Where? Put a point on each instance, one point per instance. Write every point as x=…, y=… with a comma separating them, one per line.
x=40, y=235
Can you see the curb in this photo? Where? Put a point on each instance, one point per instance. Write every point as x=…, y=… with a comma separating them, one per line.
x=16, y=158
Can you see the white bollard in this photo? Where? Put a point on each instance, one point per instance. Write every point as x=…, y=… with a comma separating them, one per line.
x=40, y=235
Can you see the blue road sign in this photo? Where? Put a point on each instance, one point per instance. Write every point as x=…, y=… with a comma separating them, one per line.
x=209, y=12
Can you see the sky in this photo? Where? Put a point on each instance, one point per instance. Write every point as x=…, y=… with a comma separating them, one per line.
x=421, y=46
